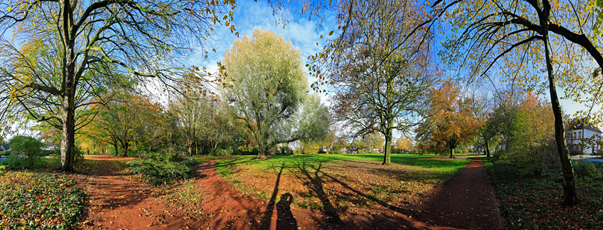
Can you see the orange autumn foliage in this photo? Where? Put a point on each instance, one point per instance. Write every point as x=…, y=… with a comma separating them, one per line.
x=449, y=122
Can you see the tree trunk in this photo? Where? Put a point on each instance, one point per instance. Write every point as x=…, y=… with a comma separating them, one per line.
x=116, y=149
x=389, y=124
x=488, y=149
x=262, y=154
x=126, y=149
x=68, y=89
x=388, y=148
x=569, y=185
x=197, y=148
x=68, y=136
x=451, y=151
x=191, y=147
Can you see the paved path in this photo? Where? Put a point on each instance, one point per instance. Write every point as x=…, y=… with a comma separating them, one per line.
x=587, y=157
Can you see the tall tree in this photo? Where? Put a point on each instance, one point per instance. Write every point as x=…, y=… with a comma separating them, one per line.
x=532, y=135
x=481, y=109
x=270, y=92
x=378, y=75
x=125, y=120
x=450, y=122
x=525, y=36
x=143, y=38
x=404, y=143
x=190, y=109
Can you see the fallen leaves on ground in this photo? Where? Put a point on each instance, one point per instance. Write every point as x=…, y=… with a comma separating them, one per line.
x=350, y=186
x=39, y=200
x=535, y=202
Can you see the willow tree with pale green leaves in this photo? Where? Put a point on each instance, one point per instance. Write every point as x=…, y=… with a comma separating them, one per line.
x=141, y=39
x=268, y=90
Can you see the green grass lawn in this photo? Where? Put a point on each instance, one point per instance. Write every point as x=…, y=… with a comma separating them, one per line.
x=351, y=182
x=426, y=161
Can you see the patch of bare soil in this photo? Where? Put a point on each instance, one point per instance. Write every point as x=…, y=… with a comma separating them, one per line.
x=119, y=200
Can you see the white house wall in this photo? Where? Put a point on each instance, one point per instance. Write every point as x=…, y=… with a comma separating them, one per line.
x=584, y=133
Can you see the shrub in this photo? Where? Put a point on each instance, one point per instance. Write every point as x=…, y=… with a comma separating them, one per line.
x=537, y=161
x=77, y=153
x=501, y=156
x=163, y=168
x=224, y=152
x=585, y=169
x=530, y=160
x=24, y=151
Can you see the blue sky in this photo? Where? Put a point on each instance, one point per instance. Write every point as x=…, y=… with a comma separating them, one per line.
x=249, y=15
x=303, y=33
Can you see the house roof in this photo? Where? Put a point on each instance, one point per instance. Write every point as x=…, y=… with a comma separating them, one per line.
x=581, y=124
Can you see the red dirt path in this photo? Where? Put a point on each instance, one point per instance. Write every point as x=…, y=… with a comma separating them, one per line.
x=465, y=201
x=119, y=200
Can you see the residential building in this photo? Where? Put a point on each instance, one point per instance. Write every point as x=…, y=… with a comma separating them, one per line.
x=582, y=138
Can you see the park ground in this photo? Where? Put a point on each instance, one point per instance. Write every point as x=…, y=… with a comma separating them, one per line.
x=325, y=192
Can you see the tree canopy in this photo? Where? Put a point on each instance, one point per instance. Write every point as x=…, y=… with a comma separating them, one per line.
x=91, y=40
x=449, y=123
x=379, y=73
x=269, y=91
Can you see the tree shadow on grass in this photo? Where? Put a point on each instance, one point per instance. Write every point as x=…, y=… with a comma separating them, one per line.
x=316, y=184
x=367, y=196
x=226, y=166
x=388, y=216
x=285, y=218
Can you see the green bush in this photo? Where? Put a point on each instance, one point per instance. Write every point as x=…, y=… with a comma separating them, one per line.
x=224, y=152
x=586, y=169
x=157, y=156
x=160, y=168
x=538, y=161
x=24, y=152
x=77, y=153
x=39, y=201
x=500, y=156
x=530, y=161
x=5, y=153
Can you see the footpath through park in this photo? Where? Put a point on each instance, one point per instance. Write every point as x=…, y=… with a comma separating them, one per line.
x=465, y=201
